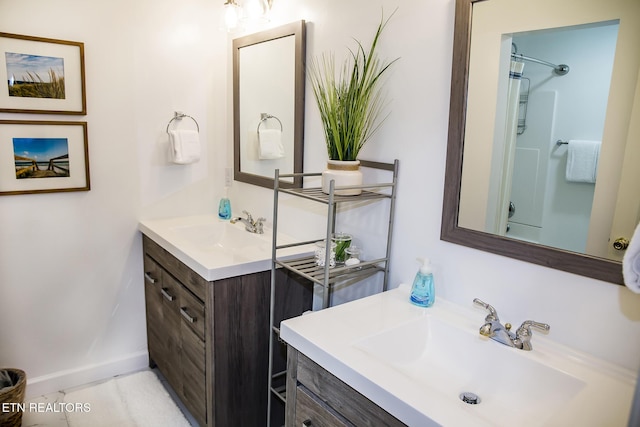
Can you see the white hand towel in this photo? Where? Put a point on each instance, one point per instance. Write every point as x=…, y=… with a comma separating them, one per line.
x=631, y=263
x=185, y=146
x=582, y=161
x=270, y=144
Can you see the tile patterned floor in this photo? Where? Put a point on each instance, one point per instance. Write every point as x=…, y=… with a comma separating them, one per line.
x=58, y=419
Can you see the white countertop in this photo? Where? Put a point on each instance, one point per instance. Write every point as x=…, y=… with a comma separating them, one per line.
x=330, y=337
x=214, y=248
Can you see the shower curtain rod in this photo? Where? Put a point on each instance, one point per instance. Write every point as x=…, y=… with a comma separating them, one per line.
x=560, y=69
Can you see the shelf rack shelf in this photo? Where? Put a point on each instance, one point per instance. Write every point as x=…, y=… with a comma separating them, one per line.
x=306, y=267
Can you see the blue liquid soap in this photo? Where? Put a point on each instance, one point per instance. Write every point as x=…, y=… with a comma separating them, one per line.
x=423, y=291
x=224, y=209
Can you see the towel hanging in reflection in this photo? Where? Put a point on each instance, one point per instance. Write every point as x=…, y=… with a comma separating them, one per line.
x=631, y=263
x=270, y=144
x=582, y=161
x=184, y=146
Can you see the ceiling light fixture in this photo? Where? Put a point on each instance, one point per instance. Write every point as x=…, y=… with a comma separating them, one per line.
x=231, y=16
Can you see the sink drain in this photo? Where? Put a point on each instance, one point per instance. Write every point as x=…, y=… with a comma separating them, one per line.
x=470, y=398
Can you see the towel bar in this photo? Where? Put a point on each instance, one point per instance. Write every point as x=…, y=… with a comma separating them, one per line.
x=264, y=117
x=177, y=115
x=561, y=142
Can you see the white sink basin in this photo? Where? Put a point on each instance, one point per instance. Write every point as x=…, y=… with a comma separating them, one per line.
x=415, y=363
x=221, y=236
x=216, y=249
x=451, y=360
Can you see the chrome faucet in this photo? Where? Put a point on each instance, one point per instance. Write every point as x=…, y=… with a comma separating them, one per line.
x=495, y=330
x=249, y=224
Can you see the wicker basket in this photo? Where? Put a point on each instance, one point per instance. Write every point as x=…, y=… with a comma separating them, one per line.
x=14, y=394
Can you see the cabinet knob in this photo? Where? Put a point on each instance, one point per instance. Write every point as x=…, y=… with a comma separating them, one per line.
x=183, y=311
x=306, y=423
x=166, y=294
x=149, y=278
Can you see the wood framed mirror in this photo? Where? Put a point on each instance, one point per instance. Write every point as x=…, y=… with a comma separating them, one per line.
x=268, y=105
x=619, y=130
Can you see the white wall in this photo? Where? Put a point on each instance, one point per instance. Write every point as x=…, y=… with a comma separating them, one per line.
x=77, y=304
x=71, y=296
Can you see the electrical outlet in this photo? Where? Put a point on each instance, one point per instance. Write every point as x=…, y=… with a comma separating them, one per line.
x=228, y=177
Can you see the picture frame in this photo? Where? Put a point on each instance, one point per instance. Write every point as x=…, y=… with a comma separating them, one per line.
x=41, y=75
x=43, y=157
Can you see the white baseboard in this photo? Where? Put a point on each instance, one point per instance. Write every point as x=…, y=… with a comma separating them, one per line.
x=70, y=378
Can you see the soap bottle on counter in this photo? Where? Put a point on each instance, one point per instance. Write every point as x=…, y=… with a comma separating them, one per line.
x=423, y=290
x=224, y=208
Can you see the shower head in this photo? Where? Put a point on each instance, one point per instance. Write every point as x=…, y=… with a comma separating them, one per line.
x=560, y=69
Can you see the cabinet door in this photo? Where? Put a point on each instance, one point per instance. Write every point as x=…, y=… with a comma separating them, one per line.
x=170, y=293
x=194, y=389
x=192, y=328
x=311, y=412
x=153, y=304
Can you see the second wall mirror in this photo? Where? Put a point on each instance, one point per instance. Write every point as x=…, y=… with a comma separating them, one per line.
x=531, y=83
x=268, y=105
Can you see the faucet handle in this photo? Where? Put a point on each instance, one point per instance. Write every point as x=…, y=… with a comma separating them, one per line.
x=249, y=217
x=523, y=334
x=493, y=314
x=525, y=328
x=259, y=225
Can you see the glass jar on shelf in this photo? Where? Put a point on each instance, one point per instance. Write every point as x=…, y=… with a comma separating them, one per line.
x=354, y=255
x=321, y=254
x=342, y=241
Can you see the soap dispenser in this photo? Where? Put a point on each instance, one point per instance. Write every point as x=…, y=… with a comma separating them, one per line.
x=224, y=207
x=423, y=290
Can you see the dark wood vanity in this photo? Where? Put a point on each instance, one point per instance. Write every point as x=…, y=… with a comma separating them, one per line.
x=210, y=339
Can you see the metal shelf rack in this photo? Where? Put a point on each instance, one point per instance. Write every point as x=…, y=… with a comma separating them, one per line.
x=306, y=266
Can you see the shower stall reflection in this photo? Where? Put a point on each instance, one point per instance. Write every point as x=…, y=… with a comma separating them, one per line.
x=534, y=201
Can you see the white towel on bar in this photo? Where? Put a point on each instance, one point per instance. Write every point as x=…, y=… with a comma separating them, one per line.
x=631, y=263
x=582, y=160
x=270, y=144
x=185, y=146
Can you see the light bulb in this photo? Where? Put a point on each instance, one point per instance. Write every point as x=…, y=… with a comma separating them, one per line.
x=231, y=15
x=256, y=10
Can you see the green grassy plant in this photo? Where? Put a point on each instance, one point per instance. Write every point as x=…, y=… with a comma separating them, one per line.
x=350, y=101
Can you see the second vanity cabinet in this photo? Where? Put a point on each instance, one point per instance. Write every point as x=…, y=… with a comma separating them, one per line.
x=318, y=398
x=209, y=339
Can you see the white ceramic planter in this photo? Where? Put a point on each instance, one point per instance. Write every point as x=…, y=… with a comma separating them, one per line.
x=345, y=174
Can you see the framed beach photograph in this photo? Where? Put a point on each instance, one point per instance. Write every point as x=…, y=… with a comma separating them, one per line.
x=43, y=157
x=39, y=75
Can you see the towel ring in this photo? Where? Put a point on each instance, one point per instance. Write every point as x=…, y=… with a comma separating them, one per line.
x=264, y=117
x=179, y=116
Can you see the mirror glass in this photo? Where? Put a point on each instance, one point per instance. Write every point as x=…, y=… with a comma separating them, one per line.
x=544, y=122
x=268, y=101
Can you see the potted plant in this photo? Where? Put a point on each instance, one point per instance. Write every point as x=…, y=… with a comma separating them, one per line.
x=350, y=103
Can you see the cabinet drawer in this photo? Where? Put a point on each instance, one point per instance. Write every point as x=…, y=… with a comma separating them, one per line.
x=346, y=401
x=311, y=412
x=175, y=267
x=192, y=312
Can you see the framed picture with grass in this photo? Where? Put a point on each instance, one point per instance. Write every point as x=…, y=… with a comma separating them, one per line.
x=39, y=75
x=43, y=157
